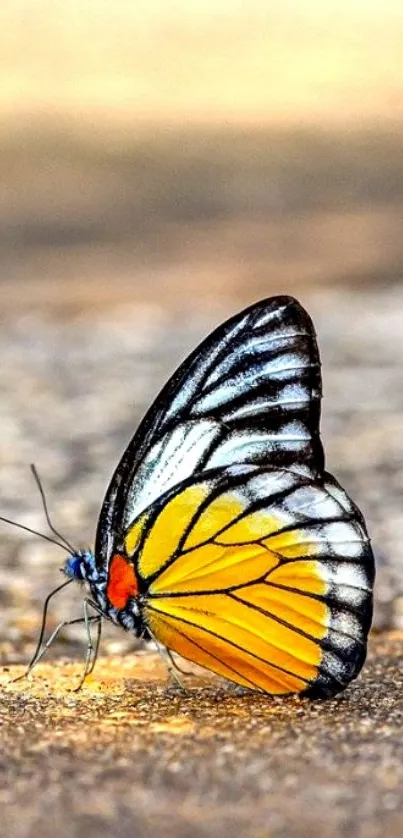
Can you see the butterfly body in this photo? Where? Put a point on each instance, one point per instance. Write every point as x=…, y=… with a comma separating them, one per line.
x=221, y=535
x=81, y=566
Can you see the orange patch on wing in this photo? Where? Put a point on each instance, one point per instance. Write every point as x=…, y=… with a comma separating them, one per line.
x=122, y=582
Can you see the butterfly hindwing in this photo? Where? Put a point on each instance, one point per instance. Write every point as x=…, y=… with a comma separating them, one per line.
x=260, y=574
x=250, y=393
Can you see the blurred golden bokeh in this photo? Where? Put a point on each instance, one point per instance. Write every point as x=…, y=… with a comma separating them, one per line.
x=204, y=60
x=240, y=148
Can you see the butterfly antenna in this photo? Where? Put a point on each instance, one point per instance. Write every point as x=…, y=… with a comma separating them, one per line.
x=46, y=511
x=35, y=532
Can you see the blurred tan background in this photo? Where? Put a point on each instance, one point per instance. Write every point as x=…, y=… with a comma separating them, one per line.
x=201, y=150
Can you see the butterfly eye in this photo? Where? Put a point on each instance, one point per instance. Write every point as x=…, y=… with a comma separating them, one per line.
x=73, y=567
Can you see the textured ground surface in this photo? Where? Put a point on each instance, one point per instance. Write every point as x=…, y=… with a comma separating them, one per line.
x=126, y=758
x=122, y=758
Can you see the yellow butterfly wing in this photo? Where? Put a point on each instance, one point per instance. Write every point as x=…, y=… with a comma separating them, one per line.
x=260, y=575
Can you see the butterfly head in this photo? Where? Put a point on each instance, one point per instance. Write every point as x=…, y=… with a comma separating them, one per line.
x=80, y=565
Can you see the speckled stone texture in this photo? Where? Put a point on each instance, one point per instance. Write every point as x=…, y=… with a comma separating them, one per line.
x=129, y=757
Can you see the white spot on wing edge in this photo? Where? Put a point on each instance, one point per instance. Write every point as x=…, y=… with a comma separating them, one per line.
x=272, y=314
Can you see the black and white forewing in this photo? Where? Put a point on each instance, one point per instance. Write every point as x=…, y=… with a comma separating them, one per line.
x=250, y=393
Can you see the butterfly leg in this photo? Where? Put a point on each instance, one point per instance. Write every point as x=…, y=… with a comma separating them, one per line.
x=92, y=651
x=34, y=658
x=39, y=654
x=97, y=642
x=176, y=666
x=176, y=682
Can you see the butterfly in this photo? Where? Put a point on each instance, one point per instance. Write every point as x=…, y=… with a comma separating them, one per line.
x=221, y=535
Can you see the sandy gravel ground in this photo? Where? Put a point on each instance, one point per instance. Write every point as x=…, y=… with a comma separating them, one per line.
x=128, y=757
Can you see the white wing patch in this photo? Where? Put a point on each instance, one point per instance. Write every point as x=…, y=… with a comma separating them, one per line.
x=248, y=447
x=280, y=340
x=171, y=460
x=194, y=383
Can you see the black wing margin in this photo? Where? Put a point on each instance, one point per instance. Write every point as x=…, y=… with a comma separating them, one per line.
x=248, y=394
